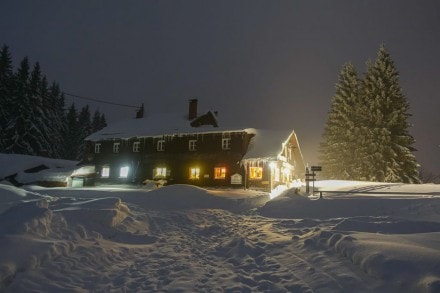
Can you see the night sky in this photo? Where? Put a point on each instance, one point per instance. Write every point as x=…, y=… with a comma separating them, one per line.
x=262, y=64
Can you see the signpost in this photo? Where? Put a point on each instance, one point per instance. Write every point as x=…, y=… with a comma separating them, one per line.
x=311, y=177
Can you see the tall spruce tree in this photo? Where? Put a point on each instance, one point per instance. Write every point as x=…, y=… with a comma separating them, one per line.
x=390, y=148
x=368, y=130
x=57, y=119
x=85, y=129
x=22, y=136
x=38, y=96
x=72, y=134
x=98, y=121
x=340, y=144
x=33, y=120
x=6, y=73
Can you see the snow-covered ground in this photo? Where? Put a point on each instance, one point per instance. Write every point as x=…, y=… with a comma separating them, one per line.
x=183, y=238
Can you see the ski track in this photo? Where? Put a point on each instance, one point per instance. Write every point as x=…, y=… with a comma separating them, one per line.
x=206, y=250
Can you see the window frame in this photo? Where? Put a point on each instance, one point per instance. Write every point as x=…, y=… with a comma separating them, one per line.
x=116, y=147
x=252, y=173
x=226, y=143
x=222, y=173
x=192, y=145
x=136, y=147
x=123, y=172
x=194, y=173
x=160, y=145
x=105, y=174
x=160, y=172
x=98, y=148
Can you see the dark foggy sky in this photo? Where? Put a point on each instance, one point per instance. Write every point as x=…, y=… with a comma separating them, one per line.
x=263, y=64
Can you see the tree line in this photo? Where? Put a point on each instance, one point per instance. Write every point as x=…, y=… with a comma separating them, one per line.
x=33, y=117
x=366, y=136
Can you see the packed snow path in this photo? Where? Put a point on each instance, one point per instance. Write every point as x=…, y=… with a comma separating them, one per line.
x=202, y=251
x=125, y=241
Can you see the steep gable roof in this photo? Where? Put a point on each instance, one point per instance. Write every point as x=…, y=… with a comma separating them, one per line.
x=267, y=144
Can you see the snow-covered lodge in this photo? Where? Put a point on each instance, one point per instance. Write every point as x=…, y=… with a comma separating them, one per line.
x=193, y=149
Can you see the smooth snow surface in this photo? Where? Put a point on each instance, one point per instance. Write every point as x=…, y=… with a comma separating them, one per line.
x=154, y=125
x=183, y=238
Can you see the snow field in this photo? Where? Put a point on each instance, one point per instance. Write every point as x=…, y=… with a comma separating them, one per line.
x=187, y=239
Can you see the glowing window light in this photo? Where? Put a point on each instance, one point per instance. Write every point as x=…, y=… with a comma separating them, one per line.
x=220, y=173
x=194, y=173
x=123, y=172
x=255, y=172
x=160, y=172
x=105, y=172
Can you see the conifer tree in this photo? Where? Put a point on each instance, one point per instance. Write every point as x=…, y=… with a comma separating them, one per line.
x=57, y=119
x=368, y=129
x=339, y=146
x=98, y=121
x=103, y=122
x=390, y=148
x=40, y=111
x=33, y=120
x=22, y=136
x=6, y=73
x=72, y=134
x=85, y=129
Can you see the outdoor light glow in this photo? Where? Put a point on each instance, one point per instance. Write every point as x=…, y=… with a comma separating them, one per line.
x=194, y=173
x=272, y=165
x=255, y=172
x=105, y=172
x=277, y=191
x=161, y=172
x=123, y=173
x=220, y=173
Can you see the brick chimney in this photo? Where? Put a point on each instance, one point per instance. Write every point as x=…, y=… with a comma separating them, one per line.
x=192, y=109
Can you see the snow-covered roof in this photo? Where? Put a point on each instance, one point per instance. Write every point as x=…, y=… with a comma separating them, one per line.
x=267, y=144
x=154, y=125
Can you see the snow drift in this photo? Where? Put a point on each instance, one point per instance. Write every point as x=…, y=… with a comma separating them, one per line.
x=185, y=238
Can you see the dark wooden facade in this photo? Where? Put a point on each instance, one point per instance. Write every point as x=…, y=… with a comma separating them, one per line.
x=197, y=152
x=205, y=159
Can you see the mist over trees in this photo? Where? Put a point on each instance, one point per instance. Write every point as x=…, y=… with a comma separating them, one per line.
x=33, y=118
x=366, y=136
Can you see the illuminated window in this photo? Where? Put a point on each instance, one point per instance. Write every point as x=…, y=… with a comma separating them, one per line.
x=192, y=145
x=105, y=172
x=160, y=172
x=160, y=145
x=255, y=172
x=123, y=172
x=226, y=143
x=116, y=147
x=136, y=147
x=220, y=173
x=97, y=148
x=194, y=173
